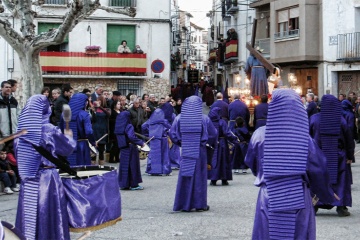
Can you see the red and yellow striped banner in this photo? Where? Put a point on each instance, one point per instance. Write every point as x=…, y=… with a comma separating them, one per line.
x=231, y=49
x=102, y=62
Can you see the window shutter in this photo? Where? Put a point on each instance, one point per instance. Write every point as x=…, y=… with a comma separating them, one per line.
x=294, y=12
x=283, y=16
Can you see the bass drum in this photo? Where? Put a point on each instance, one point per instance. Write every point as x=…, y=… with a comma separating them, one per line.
x=9, y=232
x=93, y=199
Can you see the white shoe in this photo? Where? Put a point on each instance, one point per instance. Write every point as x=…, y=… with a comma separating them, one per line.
x=244, y=171
x=237, y=171
x=7, y=190
x=15, y=189
x=18, y=186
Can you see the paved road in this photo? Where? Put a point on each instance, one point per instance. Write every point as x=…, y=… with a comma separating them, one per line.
x=148, y=214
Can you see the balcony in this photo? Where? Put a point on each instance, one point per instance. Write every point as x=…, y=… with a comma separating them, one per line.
x=231, y=6
x=231, y=52
x=258, y=3
x=56, y=2
x=348, y=47
x=122, y=3
x=102, y=64
x=287, y=35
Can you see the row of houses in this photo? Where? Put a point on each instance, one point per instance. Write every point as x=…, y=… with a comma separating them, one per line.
x=317, y=41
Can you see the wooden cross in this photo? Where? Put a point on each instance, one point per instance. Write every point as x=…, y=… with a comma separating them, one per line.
x=250, y=46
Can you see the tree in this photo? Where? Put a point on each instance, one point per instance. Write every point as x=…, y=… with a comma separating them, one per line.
x=28, y=44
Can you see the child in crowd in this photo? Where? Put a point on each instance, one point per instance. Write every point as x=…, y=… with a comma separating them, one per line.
x=240, y=149
x=7, y=175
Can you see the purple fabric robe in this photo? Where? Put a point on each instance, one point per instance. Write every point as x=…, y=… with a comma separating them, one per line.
x=316, y=175
x=224, y=112
x=345, y=152
x=238, y=109
x=52, y=215
x=221, y=162
x=129, y=169
x=191, y=192
x=260, y=115
x=158, y=161
x=240, y=149
x=259, y=85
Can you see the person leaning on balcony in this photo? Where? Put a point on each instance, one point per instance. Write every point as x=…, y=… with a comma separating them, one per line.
x=137, y=49
x=60, y=101
x=123, y=48
x=231, y=35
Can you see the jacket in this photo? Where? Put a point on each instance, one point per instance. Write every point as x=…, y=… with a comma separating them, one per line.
x=58, y=105
x=8, y=115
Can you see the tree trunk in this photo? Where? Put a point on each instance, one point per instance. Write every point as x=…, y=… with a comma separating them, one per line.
x=31, y=76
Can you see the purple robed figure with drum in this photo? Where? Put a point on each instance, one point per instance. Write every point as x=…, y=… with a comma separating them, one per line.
x=192, y=131
x=158, y=162
x=174, y=151
x=129, y=169
x=80, y=125
x=221, y=162
x=42, y=212
x=288, y=166
x=330, y=131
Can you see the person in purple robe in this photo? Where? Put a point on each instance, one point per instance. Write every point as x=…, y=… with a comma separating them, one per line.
x=257, y=75
x=348, y=114
x=260, y=112
x=224, y=107
x=174, y=151
x=240, y=149
x=221, y=162
x=81, y=127
x=158, y=162
x=238, y=109
x=330, y=131
x=192, y=131
x=42, y=212
x=129, y=169
x=286, y=161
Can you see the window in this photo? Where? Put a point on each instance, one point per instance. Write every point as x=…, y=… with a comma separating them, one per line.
x=129, y=86
x=117, y=33
x=56, y=2
x=122, y=3
x=46, y=27
x=288, y=23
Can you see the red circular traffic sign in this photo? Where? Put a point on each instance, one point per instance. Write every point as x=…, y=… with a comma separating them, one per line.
x=157, y=66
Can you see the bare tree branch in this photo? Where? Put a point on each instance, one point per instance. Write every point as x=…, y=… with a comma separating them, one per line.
x=12, y=37
x=26, y=16
x=9, y=5
x=131, y=12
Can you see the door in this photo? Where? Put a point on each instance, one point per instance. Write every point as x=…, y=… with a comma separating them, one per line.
x=117, y=33
x=307, y=78
x=349, y=82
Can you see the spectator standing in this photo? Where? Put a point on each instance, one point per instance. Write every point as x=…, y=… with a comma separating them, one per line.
x=8, y=110
x=101, y=126
x=151, y=104
x=123, y=48
x=312, y=107
x=115, y=151
x=60, y=101
x=137, y=116
x=137, y=49
x=98, y=92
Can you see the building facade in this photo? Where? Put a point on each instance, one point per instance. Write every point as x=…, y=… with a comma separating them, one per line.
x=70, y=63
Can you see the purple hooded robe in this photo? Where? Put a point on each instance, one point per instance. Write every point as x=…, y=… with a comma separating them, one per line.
x=42, y=212
x=192, y=130
x=158, y=161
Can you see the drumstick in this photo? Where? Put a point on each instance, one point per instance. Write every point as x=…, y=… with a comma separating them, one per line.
x=12, y=136
x=85, y=235
x=149, y=140
x=101, y=138
x=67, y=115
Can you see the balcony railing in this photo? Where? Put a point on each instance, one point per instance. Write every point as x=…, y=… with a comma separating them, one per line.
x=287, y=34
x=56, y=2
x=232, y=6
x=122, y=3
x=231, y=51
x=78, y=63
x=349, y=47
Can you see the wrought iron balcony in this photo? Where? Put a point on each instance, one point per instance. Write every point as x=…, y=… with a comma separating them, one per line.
x=231, y=6
x=348, y=47
x=104, y=64
x=56, y=2
x=122, y=3
x=287, y=34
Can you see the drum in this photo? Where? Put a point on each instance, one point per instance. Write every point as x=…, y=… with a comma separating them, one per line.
x=93, y=199
x=9, y=232
x=145, y=148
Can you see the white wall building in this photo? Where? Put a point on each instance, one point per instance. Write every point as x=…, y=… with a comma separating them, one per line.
x=151, y=29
